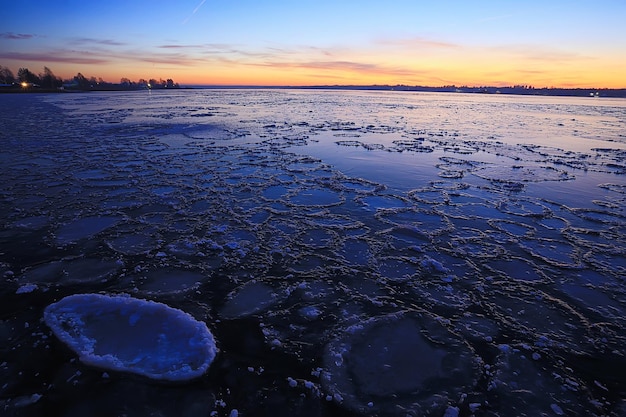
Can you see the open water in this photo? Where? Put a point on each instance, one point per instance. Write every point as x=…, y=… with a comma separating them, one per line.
x=353, y=253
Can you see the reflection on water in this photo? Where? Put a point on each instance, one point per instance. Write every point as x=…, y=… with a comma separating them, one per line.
x=373, y=253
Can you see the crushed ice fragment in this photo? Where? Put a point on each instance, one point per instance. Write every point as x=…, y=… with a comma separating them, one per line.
x=25, y=400
x=434, y=265
x=599, y=385
x=26, y=288
x=557, y=410
x=451, y=412
x=504, y=348
x=310, y=312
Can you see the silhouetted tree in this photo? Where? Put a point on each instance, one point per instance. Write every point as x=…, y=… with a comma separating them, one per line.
x=49, y=80
x=6, y=76
x=82, y=82
x=25, y=76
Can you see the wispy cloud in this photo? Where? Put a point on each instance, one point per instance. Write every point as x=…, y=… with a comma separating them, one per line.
x=324, y=65
x=335, y=67
x=106, y=42
x=54, y=56
x=178, y=59
x=337, y=62
x=16, y=36
x=103, y=57
x=216, y=47
x=175, y=46
x=538, y=53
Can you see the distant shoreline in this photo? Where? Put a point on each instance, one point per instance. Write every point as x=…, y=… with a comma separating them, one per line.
x=570, y=92
x=544, y=91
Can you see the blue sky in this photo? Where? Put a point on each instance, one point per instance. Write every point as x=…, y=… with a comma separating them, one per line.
x=559, y=43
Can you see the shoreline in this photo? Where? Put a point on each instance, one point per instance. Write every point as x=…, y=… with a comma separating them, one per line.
x=562, y=92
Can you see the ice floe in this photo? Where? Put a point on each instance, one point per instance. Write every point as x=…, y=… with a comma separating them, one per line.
x=398, y=364
x=72, y=271
x=84, y=228
x=133, y=335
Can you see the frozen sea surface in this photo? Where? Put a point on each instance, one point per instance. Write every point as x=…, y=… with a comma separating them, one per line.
x=353, y=253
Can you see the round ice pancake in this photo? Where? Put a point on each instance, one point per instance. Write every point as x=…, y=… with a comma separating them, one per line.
x=399, y=363
x=132, y=335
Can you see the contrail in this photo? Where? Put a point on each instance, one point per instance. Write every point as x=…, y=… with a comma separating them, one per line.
x=194, y=11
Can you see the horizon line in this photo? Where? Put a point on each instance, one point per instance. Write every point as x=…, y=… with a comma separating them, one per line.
x=516, y=86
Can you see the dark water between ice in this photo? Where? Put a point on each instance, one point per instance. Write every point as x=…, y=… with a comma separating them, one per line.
x=353, y=253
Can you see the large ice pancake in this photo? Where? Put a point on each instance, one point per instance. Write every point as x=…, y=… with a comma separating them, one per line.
x=132, y=335
x=399, y=365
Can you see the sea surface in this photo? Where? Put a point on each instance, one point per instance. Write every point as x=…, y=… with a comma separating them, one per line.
x=353, y=253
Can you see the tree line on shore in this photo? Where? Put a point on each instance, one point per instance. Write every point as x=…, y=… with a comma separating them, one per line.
x=47, y=80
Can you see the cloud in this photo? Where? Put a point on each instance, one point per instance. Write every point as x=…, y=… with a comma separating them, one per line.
x=106, y=51
x=16, y=36
x=170, y=59
x=53, y=56
x=213, y=51
x=218, y=47
x=174, y=46
x=538, y=53
x=107, y=42
x=335, y=63
x=362, y=68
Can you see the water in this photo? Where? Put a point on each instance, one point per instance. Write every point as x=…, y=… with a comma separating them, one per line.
x=354, y=253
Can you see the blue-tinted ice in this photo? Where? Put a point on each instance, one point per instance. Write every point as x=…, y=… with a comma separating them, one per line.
x=128, y=334
x=352, y=252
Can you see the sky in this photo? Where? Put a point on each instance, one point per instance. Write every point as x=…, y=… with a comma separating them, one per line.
x=324, y=42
